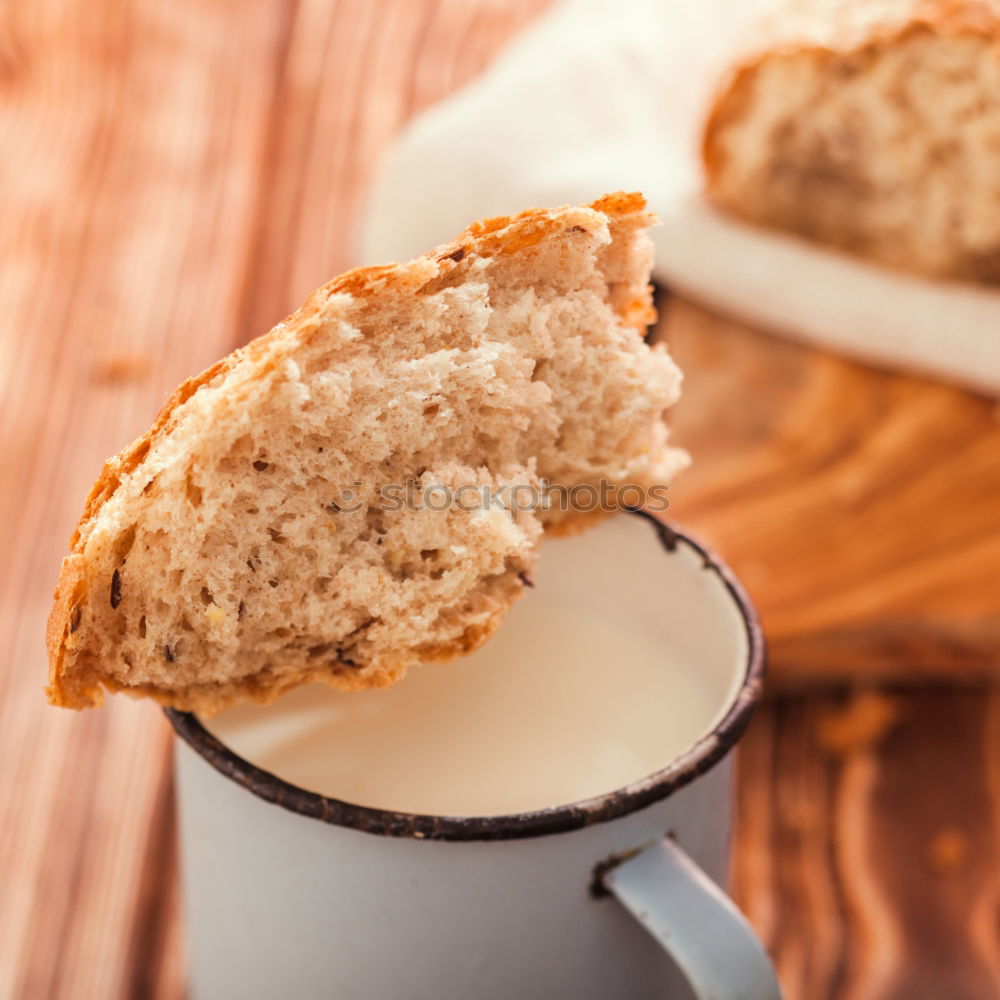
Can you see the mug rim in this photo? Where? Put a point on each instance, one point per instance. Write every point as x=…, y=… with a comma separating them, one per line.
x=658, y=785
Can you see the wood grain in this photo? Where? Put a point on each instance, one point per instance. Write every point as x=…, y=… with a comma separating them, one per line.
x=868, y=847
x=174, y=177
x=131, y=144
x=860, y=508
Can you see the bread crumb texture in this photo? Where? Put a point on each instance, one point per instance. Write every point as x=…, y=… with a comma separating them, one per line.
x=244, y=545
x=872, y=126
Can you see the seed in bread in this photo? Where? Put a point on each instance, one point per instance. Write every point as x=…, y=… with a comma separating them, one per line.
x=260, y=535
x=872, y=126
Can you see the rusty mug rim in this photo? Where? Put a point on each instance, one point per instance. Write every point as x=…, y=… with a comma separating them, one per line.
x=658, y=785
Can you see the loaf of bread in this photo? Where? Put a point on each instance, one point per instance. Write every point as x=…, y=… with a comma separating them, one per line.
x=872, y=126
x=287, y=517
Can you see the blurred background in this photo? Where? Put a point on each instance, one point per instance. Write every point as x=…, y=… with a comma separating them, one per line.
x=174, y=179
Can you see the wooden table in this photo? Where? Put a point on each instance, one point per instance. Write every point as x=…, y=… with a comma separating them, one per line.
x=174, y=178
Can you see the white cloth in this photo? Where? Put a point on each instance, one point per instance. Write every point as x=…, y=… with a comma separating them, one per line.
x=603, y=95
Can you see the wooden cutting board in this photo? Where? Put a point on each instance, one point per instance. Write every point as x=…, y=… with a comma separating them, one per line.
x=867, y=851
x=861, y=508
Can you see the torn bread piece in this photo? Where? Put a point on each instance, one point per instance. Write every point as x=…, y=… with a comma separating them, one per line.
x=332, y=502
x=870, y=126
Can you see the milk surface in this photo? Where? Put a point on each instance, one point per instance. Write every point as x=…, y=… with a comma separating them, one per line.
x=562, y=704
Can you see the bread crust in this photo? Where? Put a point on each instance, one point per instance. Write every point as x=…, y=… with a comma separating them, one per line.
x=72, y=684
x=827, y=27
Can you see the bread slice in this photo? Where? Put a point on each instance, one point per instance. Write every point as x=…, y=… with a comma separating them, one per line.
x=286, y=518
x=872, y=126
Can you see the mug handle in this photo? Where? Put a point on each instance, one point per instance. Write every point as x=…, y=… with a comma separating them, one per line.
x=698, y=925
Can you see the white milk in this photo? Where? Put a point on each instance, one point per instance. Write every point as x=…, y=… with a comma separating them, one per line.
x=580, y=692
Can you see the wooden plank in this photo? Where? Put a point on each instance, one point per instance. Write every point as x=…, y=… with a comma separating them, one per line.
x=131, y=143
x=860, y=508
x=173, y=178
x=868, y=846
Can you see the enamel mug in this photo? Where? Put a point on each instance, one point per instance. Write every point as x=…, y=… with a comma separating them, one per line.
x=291, y=894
